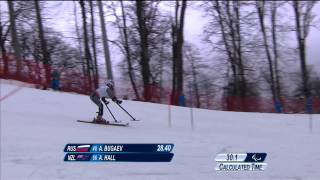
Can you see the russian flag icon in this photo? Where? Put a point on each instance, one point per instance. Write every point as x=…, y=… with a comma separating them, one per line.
x=83, y=148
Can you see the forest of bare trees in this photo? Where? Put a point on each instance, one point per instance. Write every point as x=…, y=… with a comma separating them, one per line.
x=258, y=53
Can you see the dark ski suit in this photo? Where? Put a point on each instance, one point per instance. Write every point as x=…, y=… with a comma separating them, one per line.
x=101, y=93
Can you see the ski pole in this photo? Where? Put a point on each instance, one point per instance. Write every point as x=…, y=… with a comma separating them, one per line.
x=110, y=111
x=126, y=112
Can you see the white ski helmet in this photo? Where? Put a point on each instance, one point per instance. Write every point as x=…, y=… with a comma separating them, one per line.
x=109, y=83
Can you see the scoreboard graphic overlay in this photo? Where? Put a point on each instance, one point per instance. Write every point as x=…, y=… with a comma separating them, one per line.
x=241, y=162
x=119, y=152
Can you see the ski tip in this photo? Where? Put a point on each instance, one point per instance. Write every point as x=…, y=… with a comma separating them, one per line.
x=119, y=123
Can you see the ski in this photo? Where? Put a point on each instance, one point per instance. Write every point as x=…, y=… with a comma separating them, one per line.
x=108, y=123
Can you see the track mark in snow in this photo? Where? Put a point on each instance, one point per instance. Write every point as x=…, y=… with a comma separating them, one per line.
x=11, y=93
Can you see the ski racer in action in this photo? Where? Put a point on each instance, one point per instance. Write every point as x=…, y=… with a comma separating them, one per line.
x=100, y=94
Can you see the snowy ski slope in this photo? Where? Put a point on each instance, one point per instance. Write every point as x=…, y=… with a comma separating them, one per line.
x=36, y=125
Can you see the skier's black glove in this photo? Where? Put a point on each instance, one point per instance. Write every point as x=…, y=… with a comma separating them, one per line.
x=116, y=100
x=104, y=100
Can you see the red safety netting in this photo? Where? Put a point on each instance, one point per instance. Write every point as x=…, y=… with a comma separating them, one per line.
x=71, y=80
x=39, y=74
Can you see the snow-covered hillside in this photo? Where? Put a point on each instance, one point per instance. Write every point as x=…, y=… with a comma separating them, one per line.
x=36, y=125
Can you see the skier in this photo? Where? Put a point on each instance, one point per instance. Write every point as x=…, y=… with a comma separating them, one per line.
x=102, y=93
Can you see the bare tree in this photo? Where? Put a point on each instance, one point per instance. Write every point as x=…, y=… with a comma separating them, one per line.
x=45, y=54
x=195, y=66
x=273, y=9
x=303, y=19
x=14, y=37
x=105, y=41
x=227, y=24
x=4, y=32
x=238, y=46
x=123, y=43
x=86, y=43
x=94, y=49
x=177, y=48
x=78, y=38
x=128, y=52
x=144, y=45
x=260, y=5
x=156, y=29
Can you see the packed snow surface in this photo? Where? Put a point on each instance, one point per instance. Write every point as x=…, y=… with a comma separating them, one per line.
x=36, y=125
